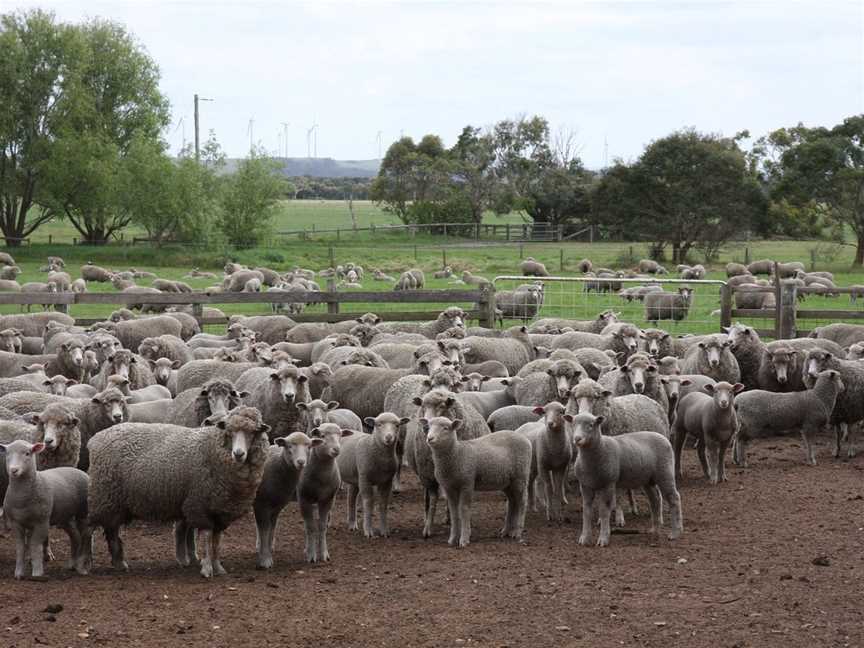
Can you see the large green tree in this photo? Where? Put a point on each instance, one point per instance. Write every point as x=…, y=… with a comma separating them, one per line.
x=686, y=190
x=249, y=198
x=37, y=92
x=820, y=172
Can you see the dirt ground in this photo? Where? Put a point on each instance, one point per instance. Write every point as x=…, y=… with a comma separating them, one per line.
x=745, y=573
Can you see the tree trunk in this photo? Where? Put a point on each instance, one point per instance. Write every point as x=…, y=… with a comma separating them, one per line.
x=859, y=251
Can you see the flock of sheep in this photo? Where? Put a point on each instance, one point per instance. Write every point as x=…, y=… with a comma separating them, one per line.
x=144, y=417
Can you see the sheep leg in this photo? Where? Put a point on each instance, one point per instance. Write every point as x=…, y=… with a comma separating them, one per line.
x=430, y=496
x=634, y=507
x=557, y=477
x=309, y=527
x=38, y=535
x=678, y=437
x=809, y=450
x=712, y=452
x=84, y=561
x=587, y=514
x=655, y=505
x=383, y=504
x=606, y=504
x=703, y=459
x=180, y=547
x=74, y=544
x=323, y=522
x=115, y=548
x=673, y=499
x=463, y=507
x=205, y=538
x=532, y=492
x=352, y=507
x=216, y=540
x=20, y=550
x=839, y=433
x=721, y=462
x=517, y=503
x=367, y=495
x=851, y=430
x=739, y=451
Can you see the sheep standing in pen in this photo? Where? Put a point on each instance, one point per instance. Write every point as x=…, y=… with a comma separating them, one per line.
x=450, y=317
x=623, y=341
x=596, y=325
x=638, y=376
x=552, y=456
x=514, y=350
x=530, y=267
x=713, y=358
x=554, y=384
x=628, y=461
x=275, y=394
x=849, y=408
x=712, y=420
x=763, y=413
x=317, y=488
x=520, y=303
x=368, y=462
x=657, y=342
x=206, y=478
x=285, y=461
x=843, y=334
x=668, y=306
x=496, y=462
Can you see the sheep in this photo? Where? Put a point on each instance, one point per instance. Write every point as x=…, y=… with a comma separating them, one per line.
x=317, y=488
x=9, y=273
x=37, y=500
x=127, y=364
x=855, y=352
x=596, y=325
x=215, y=399
x=12, y=364
x=474, y=280
x=623, y=341
x=165, y=373
x=513, y=351
x=368, y=462
x=747, y=349
x=39, y=287
x=789, y=269
x=487, y=402
x=198, y=372
x=763, y=266
x=103, y=410
x=668, y=366
x=668, y=306
x=90, y=272
x=522, y=304
x=334, y=341
x=713, y=358
x=236, y=282
x=511, y=417
x=165, y=346
x=452, y=316
x=444, y=273
x=406, y=281
x=843, y=334
x=6, y=259
x=275, y=394
x=530, y=267
x=762, y=413
x=849, y=407
x=679, y=385
x=143, y=395
x=119, y=283
x=34, y=324
x=285, y=462
x=641, y=459
x=552, y=385
x=497, y=462
x=207, y=478
x=736, y=269
x=752, y=296
x=779, y=361
x=491, y=368
x=638, y=376
x=552, y=456
x=657, y=342
x=696, y=272
x=649, y=266
x=132, y=333
x=7, y=285
x=319, y=375
x=584, y=266
x=271, y=329
x=418, y=457
x=712, y=420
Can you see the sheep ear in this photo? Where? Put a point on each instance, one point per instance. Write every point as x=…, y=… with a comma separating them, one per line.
x=457, y=423
x=175, y=364
x=428, y=383
x=303, y=407
x=274, y=376
x=264, y=429
x=32, y=418
x=642, y=335
x=599, y=420
x=624, y=369
x=737, y=388
x=404, y=420
x=538, y=410
x=606, y=393
x=75, y=420
x=332, y=405
x=664, y=336
x=449, y=402
x=485, y=379
x=2, y=449
x=369, y=422
x=709, y=388
x=346, y=433
x=96, y=399
x=417, y=401
x=686, y=382
x=463, y=379
x=36, y=448
x=664, y=380
x=46, y=383
x=568, y=418
x=152, y=364
x=302, y=378
x=317, y=441
x=701, y=345
x=221, y=424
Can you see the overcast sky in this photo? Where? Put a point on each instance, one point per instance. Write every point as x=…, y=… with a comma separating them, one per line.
x=623, y=72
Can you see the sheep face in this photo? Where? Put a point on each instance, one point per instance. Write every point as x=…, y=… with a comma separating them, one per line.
x=58, y=384
x=781, y=361
x=587, y=397
x=104, y=346
x=816, y=362
x=434, y=404
x=653, y=338
x=712, y=351
x=316, y=411
x=638, y=371
x=331, y=437
x=74, y=353
x=295, y=449
x=112, y=405
x=429, y=363
x=161, y=369
x=10, y=340
x=149, y=348
x=440, y=431
x=54, y=425
x=241, y=429
x=364, y=333
x=473, y=382
x=221, y=397
x=444, y=378
x=119, y=382
x=288, y=381
x=452, y=351
x=21, y=458
x=629, y=336
x=361, y=357
x=386, y=428
x=856, y=352
x=723, y=393
x=565, y=374
x=453, y=316
x=120, y=362
x=672, y=385
x=585, y=429
x=553, y=416
x=91, y=362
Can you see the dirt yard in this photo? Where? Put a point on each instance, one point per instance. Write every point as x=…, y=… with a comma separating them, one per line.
x=775, y=557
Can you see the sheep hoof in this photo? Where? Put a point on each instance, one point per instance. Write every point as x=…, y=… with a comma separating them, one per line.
x=602, y=542
x=266, y=563
x=584, y=540
x=851, y=453
x=206, y=569
x=218, y=569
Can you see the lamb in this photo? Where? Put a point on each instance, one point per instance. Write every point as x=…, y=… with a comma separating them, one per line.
x=36, y=500
x=12, y=364
x=629, y=413
x=511, y=417
x=487, y=402
x=121, y=284
x=317, y=488
x=368, y=462
x=103, y=410
x=207, y=478
x=491, y=368
x=285, y=462
x=165, y=346
x=127, y=364
x=779, y=361
x=520, y=303
x=638, y=376
x=596, y=325
x=552, y=456
x=712, y=419
x=418, y=455
x=60, y=279
x=275, y=394
x=38, y=286
x=763, y=413
x=6, y=259
x=7, y=285
x=763, y=266
x=406, y=281
x=714, y=359
x=623, y=341
x=236, y=282
x=855, y=352
x=843, y=334
x=513, y=351
x=90, y=272
x=668, y=306
x=849, y=407
x=474, y=280
x=752, y=296
x=533, y=268
x=497, y=462
x=633, y=460
x=747, y=349
x=448, y=318
x=319, y=375
x=668, y=366
x=445, y=273
x=679, y=385
x=552, y=385
x=334, y=341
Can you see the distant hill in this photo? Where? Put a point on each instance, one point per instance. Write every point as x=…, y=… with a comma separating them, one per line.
x=320, y=167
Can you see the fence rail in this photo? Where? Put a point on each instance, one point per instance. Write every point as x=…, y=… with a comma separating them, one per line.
x=508, y=231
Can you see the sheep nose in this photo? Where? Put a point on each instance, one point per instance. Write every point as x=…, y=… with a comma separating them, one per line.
x=781, y=380
x=15, y=471
x=639, y=387
x=118, y=418
x=301, y=462
x=239, y=455
x=288, y=396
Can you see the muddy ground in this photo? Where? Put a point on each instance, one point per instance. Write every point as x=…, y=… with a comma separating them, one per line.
x=775, y=557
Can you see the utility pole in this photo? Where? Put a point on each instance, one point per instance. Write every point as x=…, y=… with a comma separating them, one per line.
x=378, y=139
x=285, y=126
x=197, y=136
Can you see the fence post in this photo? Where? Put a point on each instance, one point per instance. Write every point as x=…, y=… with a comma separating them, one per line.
x=747, y=255
x=50, y=239
x=443, y=258
x=561, y=258
x=332, y=306
x=507, y=230
x=591, y=234
x=521, y=252
x=787, y=304
x=332, y=257
x=725, y=306
x=198, y=312
x=486, y=306
x=560, y=233
x=445, y=230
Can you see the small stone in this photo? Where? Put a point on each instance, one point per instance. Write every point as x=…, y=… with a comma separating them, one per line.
x=821, y=561
x=784, y=577
x=682, y=561
x=659, y=624
x=273, y=585
x=51, y=618
x=563, y=628
x=53, y=608
x=83, y=635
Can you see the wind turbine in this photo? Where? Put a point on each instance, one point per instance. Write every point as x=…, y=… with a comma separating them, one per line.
x=285, y=126
x=378, y=139
x=311, y=134
x=251, y=125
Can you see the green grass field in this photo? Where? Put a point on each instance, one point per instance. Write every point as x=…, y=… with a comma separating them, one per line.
x=394, y=253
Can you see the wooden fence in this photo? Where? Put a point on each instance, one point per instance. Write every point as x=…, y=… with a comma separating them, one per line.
x=483, y=300
x=505, y=231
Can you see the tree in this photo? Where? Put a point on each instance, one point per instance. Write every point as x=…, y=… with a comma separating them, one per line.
x=476, y=177
x=114, y=104
x=686, y=190
x=819, y=170
x=36, y=92
x=248, y=200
